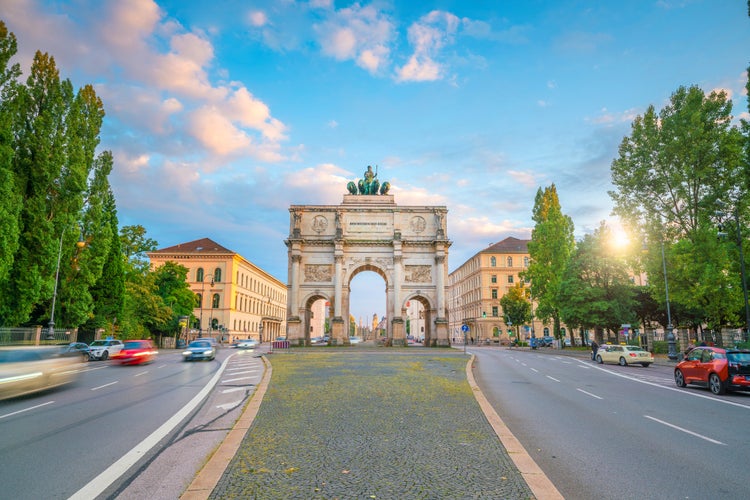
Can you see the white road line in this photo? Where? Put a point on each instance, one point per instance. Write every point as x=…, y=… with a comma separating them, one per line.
x=97, y=485
x=552, y=378
x=229, y=406
x=234, y=389
x=234, y=379
x=685, y=430
x=26, y=409
x=589, y=394
x=103, y=386
x=535, y=370
x=675, y=389
x=142, y=373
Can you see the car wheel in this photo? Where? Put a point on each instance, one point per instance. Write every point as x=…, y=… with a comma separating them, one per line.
x=623, y=362
x=679, y=378
x=105, y=355
x=646, y=365
x=716, y=385
x=599, y=359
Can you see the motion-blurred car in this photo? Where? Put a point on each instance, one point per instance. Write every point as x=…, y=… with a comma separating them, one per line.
x=103, y=349
x=718, y=369
x=318, y=341
x=199, y=349
x=355, y=340
x=76, y=348
x=247, y=344
x=25, y=370
x=547, y=341
x=624, y=355
x=136, y=352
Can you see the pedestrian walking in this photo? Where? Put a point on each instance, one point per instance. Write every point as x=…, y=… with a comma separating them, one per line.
x=594, y=348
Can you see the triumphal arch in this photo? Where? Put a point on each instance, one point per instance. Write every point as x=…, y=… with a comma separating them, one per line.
x=329, y=245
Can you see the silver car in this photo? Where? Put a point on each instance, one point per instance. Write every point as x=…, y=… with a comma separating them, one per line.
x=199, y=349
x=24, y=370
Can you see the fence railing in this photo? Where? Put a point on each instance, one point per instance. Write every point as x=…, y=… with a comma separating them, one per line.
x=36, y=335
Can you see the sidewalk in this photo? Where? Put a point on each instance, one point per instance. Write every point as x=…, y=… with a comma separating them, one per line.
x=373, y=423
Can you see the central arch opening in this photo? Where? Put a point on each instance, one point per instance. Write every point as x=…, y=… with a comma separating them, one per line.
x=368, y=320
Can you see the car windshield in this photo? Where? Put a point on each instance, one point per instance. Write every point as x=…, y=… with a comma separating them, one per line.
x=202, y=343
x=739, y=357
x=97, y=343
x=134, y=345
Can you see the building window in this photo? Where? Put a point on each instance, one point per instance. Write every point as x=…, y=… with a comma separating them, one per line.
x=494, y=293
x=215, y=301
x=198, y=300
x=217, y=275
x=199, y=274
x=510, y=262
x=493, y=261
x=510, y=279
x=525, y=262
x=494, y=311
x=493, y=279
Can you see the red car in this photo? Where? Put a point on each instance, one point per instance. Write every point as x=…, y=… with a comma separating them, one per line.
x=716, y=368
x=136, y=352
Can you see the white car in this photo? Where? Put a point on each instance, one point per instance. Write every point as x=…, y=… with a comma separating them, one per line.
x=355, y=340
x=247, y=344
x=103, y=349
x=624, y=355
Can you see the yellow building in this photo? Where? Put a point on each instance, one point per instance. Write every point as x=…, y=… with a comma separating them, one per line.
x=235, y=299
x=475, y=290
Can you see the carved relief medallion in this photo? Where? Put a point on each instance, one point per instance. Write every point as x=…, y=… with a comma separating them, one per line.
x=417, y=224
x=319, y=224
x=318, y=272
x=418, y=274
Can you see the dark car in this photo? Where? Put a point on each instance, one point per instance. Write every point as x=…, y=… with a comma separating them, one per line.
x=76, y=348
x=718, y=369
x=546, y=341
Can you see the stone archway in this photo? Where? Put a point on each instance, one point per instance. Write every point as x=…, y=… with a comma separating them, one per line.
x=330, y=244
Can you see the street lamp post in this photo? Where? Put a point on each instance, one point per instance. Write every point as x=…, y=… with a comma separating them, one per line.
x=742, y=269
x=51, y=324
x=671, y=349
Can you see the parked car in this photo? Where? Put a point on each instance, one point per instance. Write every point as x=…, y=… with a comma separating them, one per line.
x=76, y=348
x=624, y=355
x=27, y=370
x=103, y=349
x=716, y=368
x=199, y=349
x=247, y=344
x=355, y=340
x=317, y=341
x=546, y=341
x=136, y=352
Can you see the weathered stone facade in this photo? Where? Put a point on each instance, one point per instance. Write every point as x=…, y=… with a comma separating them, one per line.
x=329, y=245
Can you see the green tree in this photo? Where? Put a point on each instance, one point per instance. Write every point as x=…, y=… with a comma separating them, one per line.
x=10, y=198
x=596, y=291
x=174, y=290
x=516, y=306
x=550, y=248
x=135, y=245
x=671, y=175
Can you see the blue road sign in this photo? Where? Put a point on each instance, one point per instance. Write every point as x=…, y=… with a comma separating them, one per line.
x=464, y=328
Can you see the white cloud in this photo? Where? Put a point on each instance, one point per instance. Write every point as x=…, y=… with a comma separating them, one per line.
x=257, y=18
x=428, y=36
x=357, y=33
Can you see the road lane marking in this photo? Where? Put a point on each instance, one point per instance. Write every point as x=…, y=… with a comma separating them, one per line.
x=234, y=389
x=675, y=389
x=234, y=379
x=103, y=386
x=101, y=482
x=142, y=373
x=685, y=430
x=535, y=370
x=229, y=406
x=589, y=394
x=26, y=409
x=552, y=378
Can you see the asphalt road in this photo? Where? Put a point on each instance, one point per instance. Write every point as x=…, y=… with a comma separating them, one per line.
x=105, y=435
x=612, y=432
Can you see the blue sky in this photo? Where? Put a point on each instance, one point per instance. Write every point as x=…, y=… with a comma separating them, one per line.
x=222, y=114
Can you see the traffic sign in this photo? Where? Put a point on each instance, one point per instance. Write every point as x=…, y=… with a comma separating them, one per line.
x=464, y=328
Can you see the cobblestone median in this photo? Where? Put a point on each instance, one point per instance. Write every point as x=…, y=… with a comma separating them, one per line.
x=380, y=425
